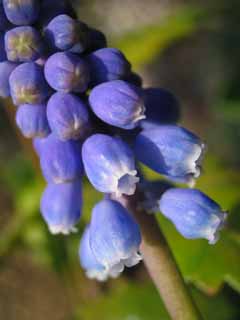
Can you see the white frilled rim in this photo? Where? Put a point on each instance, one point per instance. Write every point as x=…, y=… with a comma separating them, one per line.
x=125, y=182
x=116, y=269
x=139, y=114
x=193, y=163
x=217, y=223
x=62, y=229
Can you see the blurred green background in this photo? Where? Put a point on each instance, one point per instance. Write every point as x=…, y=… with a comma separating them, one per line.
x=193, y=49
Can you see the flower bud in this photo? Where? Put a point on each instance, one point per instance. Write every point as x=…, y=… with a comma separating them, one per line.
x=64, y=33
x=94, y=270
x=21, y=12
x=162, y=107
x=118, y=103
x=114, y=236
x=107, y=64
x=32, y=120
x=68, y=116
x=61, y=206
x=28, y=85
x=193, y=213
x=60, y=160
x=67, y=72
x=6, y=68
x=171, y=151
x=23, y=44
x=109, y=164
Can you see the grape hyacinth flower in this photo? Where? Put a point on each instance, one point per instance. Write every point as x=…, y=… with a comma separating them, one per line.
x=66, y=34
x=28, y=85
x=118, y=103
x=61, y=206
x=21, y=12
x=3, y=56
x=171, y=151
x=67, y=72
x=32, y=120
x=193, y=213
x=6, y=68
x=93, y=269
x=107, y=64
x=162, y=107
x=109, y=164
x=23, y=44
x=114, y=236
x=68, y=116
x=60, y=160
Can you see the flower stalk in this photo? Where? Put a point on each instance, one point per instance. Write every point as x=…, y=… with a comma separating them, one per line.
x=162, y=266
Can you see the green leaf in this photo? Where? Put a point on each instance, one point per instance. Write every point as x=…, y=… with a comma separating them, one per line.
x=144, y=44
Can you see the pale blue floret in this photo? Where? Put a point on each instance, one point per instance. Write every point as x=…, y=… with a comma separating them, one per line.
x=93, y=269
x=68, y=116
x=61, y=206
x=32, y=120
x=114, y=236
x=60, y=160
x=118, y=103
x=109, y=164
x=171, y=151
x=193, y=213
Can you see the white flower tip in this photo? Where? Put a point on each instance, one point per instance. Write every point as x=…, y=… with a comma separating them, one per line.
x=60, y=229
x=127, y=183
x=214, y=237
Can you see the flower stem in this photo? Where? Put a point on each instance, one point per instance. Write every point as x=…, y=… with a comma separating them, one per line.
x=162, y=266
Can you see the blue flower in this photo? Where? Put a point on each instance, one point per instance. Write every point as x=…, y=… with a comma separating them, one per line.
x=114, y=236
x=118, y=103
x=109, y=164
x=23, y=44
x=193, y=213
x=60, y=160
x=64, y=33
x=68, y=116
x=162, y=107
x=28, y=85
x=94, y=270
x=107, y=64
x=171, y=151
x=32, y=120
x=61, y=206
x=21, y=12
x=67, y=72
x=6, y=68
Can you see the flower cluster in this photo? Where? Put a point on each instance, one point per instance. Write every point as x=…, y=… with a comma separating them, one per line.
x=88, y=113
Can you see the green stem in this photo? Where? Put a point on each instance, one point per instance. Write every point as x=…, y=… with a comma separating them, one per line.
x=162, y=267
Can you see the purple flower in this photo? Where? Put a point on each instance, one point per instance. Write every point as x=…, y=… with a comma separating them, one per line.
x=109, y=164
x=107, y=64
x=61, y=206
x=94, y=270
x=118, y=103
x=23, y=44
x=32, y=120
x=21, y=12
x=68, y=116
x=28, y=85
x=6, y=68
x=64, y=33
x=67, y=72
x=114, y=236
x=60, y=160
x=171, y=151
x=193, y=213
